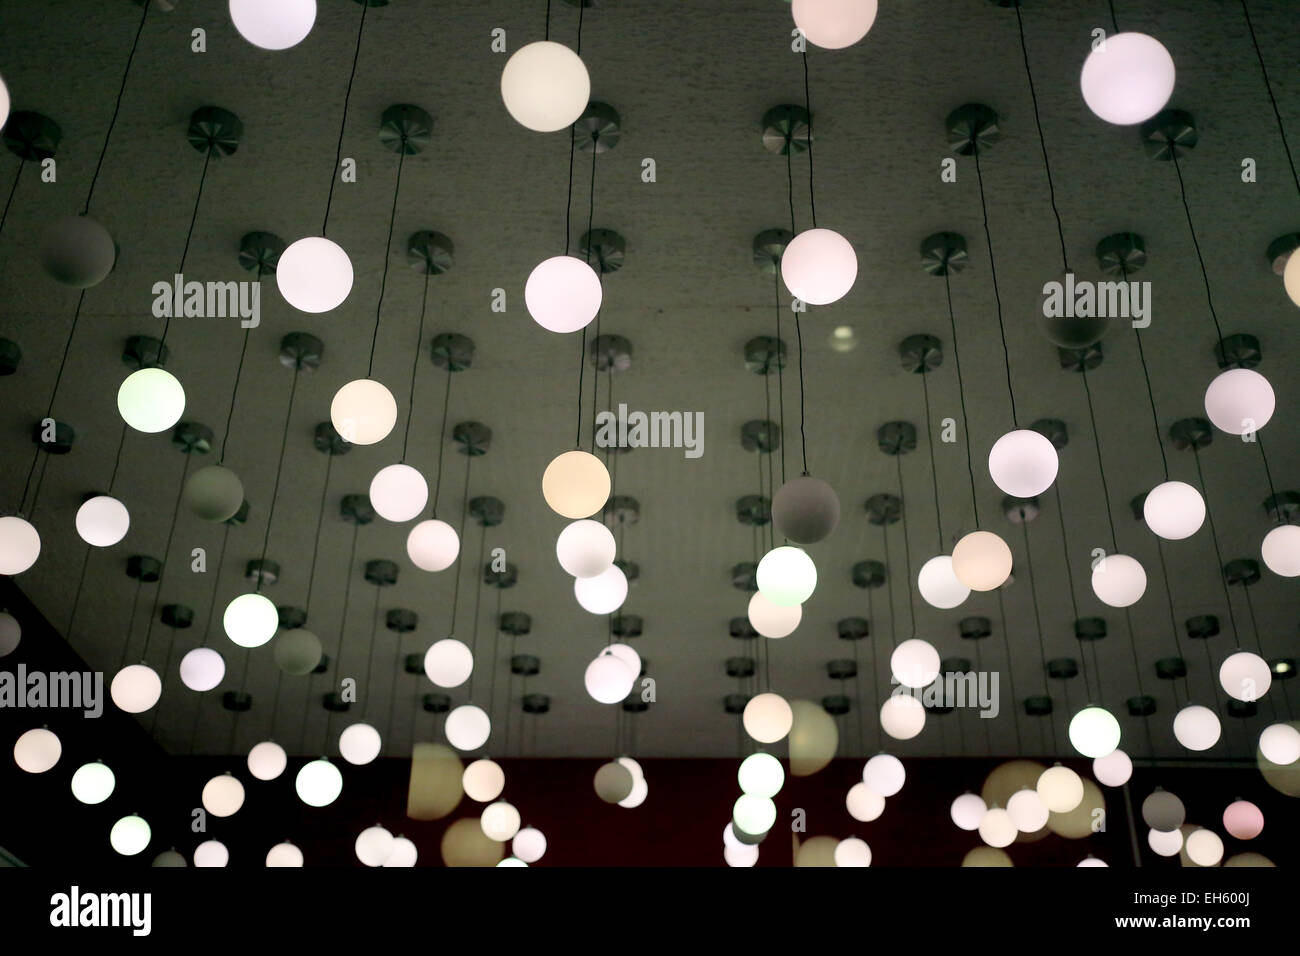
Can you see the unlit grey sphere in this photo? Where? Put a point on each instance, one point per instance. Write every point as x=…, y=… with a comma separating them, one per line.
x=214, y=493
x=77, y=251
x=169, y=858
x=297, y=652
x=1163, y=811
x=613, y=782
x=805, y=510
x=1073, y=332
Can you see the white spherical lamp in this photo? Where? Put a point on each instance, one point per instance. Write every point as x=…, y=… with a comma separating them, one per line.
x=403, y=854
x=251, y=620
x=805, y=510
x=863, y=803
x=545, y=86
x=967, y=811
x=1245, y=676
x=483, y=780
x=939, y=585
x=1281, y=550
x=448, y=663
x=1280, y=744
x=130, y=835
x=398, y=493
x=273, y=25
x=359, y=744
x=1114, y=769
x=1028, y=812
x=467, y=727
x=902, y=716
x=1291, y=278
x=752, y=814
x=608, y=679
x=640, y=790
x=997, y=828
x=563, y=294
x=11, y=633
x=914, y=663
x=1060, y=789
x=767, y=718
x=981, y=561
x=1243, y=820
x=214, y=493
x=1023, y=463
x=529, y=845
x=433, y=545
x=1239, y=401
x=223, y=795
x=77, y=251
x=1118, y=580
x=604, y=593
x=267, y=760
x=202, y=669
x=1197, y=727
x=374, y=845
x=151, y=400
x=363, y=412
x=740, y=856
x=103, y=521
x=585, y=548
x=1127, y=78
x=1173, y=510
x=135, y=688
x=1165, y=843
x=761, y=774
x=37, y=750
x=1094, y=731
x=833, y=24
x=93, y=783
x=314, y=275
x=852, y=852
x=284, y=854
x=819, y=267
x=20, y=545
x=884, y=773
x=575, y=484
x=318, y=783
x=1204, y=847
x=772, y=620
x=499, y=821
x=787, y=576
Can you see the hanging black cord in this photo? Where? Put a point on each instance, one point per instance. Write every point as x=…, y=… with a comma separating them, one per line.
x=1259, y=644
x=1011, y=671
x=415, y=367
x=343, y=123
x=130, y=624
x=548, y=20
x=212, y=605
x=961, y=394
x=1038, y=624
x=803, y=439
x=478, y=603
x=12, y=189
x=1214, y=537
x=167, y=549
x=117, y=108
x=1042, y=140
x=320, y=522
x=1114, y=22
x=1101, y=468
x=464, y=513
x=442, y=439
x=907, y=545
x=1191, y=229
x=934, y=471
x=1271, y=98
x=780, y=373
x=889, y=580
x=997, y=297
x=1151, y=395
x=1069, y=572
x=189, y=236
x=388, y=245
x=807, y=106
x=1281, y=515
x=279, y=468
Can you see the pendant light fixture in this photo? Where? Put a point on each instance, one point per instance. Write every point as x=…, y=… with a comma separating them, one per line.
x=449, y=662
x=273, y=24
x=834, y=24
x=1128, y=77
x=902, y=715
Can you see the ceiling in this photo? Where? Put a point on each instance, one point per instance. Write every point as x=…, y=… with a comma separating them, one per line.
x=691, y=87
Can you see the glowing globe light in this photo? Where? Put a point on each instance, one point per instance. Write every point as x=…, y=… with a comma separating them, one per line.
x=914, y=663
x=1165, y=844
x=805, y=510
x=585, y=548
x=981, y=561
x=211, y=853
x=102, y=521
x=863, y=803
x=1245, y=676
x=467, y=727
x=483, y=780
x=608, y=679
x=767, y=718
x=1173, y=510
x=513, y=862
x=729, y=837
x=1023, y=463
x=500, y=821
x=273, y=25
x=1243, y=820
x=1204, y=847
x=77, y=251
x=359, y=744
x=223, y=795
x=135, y=688
x=398, y=493
x=604, y=593
x=1197, y=727
x=37, y=750
x=433, y=545
x=834, y=24
x=267, y=760
x=967, y=811
x=202, y=669
x=819, y=267
x=1060, y=789
x=130, y=835
x=761, y=774
x=1118, y=580
x=740, y=855
x=1280, y=744
x=20, y=545
x=753, y=814
x=787, y=576
x=997, y=829
x=404, y=853
x=1239, y=401
x=640, y=790
x=1027, y=810
x=314, y=275
x=576, y=484
x=1091, y=861
x=93, y=783
x=11, y=633
x=374, y=845
x=1114, y=769
x=545, y=86
x=284, y=854
x=363, y=412
x=939, y=584
x=884, y=774
x=4, y=102
x=448, y=663
x=1281, y=550
x=1163, y=811
x=318, y=783
x=1127, y=79
x=251, y=620
x=563, y=294
x=1094, y=732
x=771, y=620
x=902, y=717
x=629, y=657
x=852, y=852
x=1291, y=278
x=151, y=400
x=214, y=493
